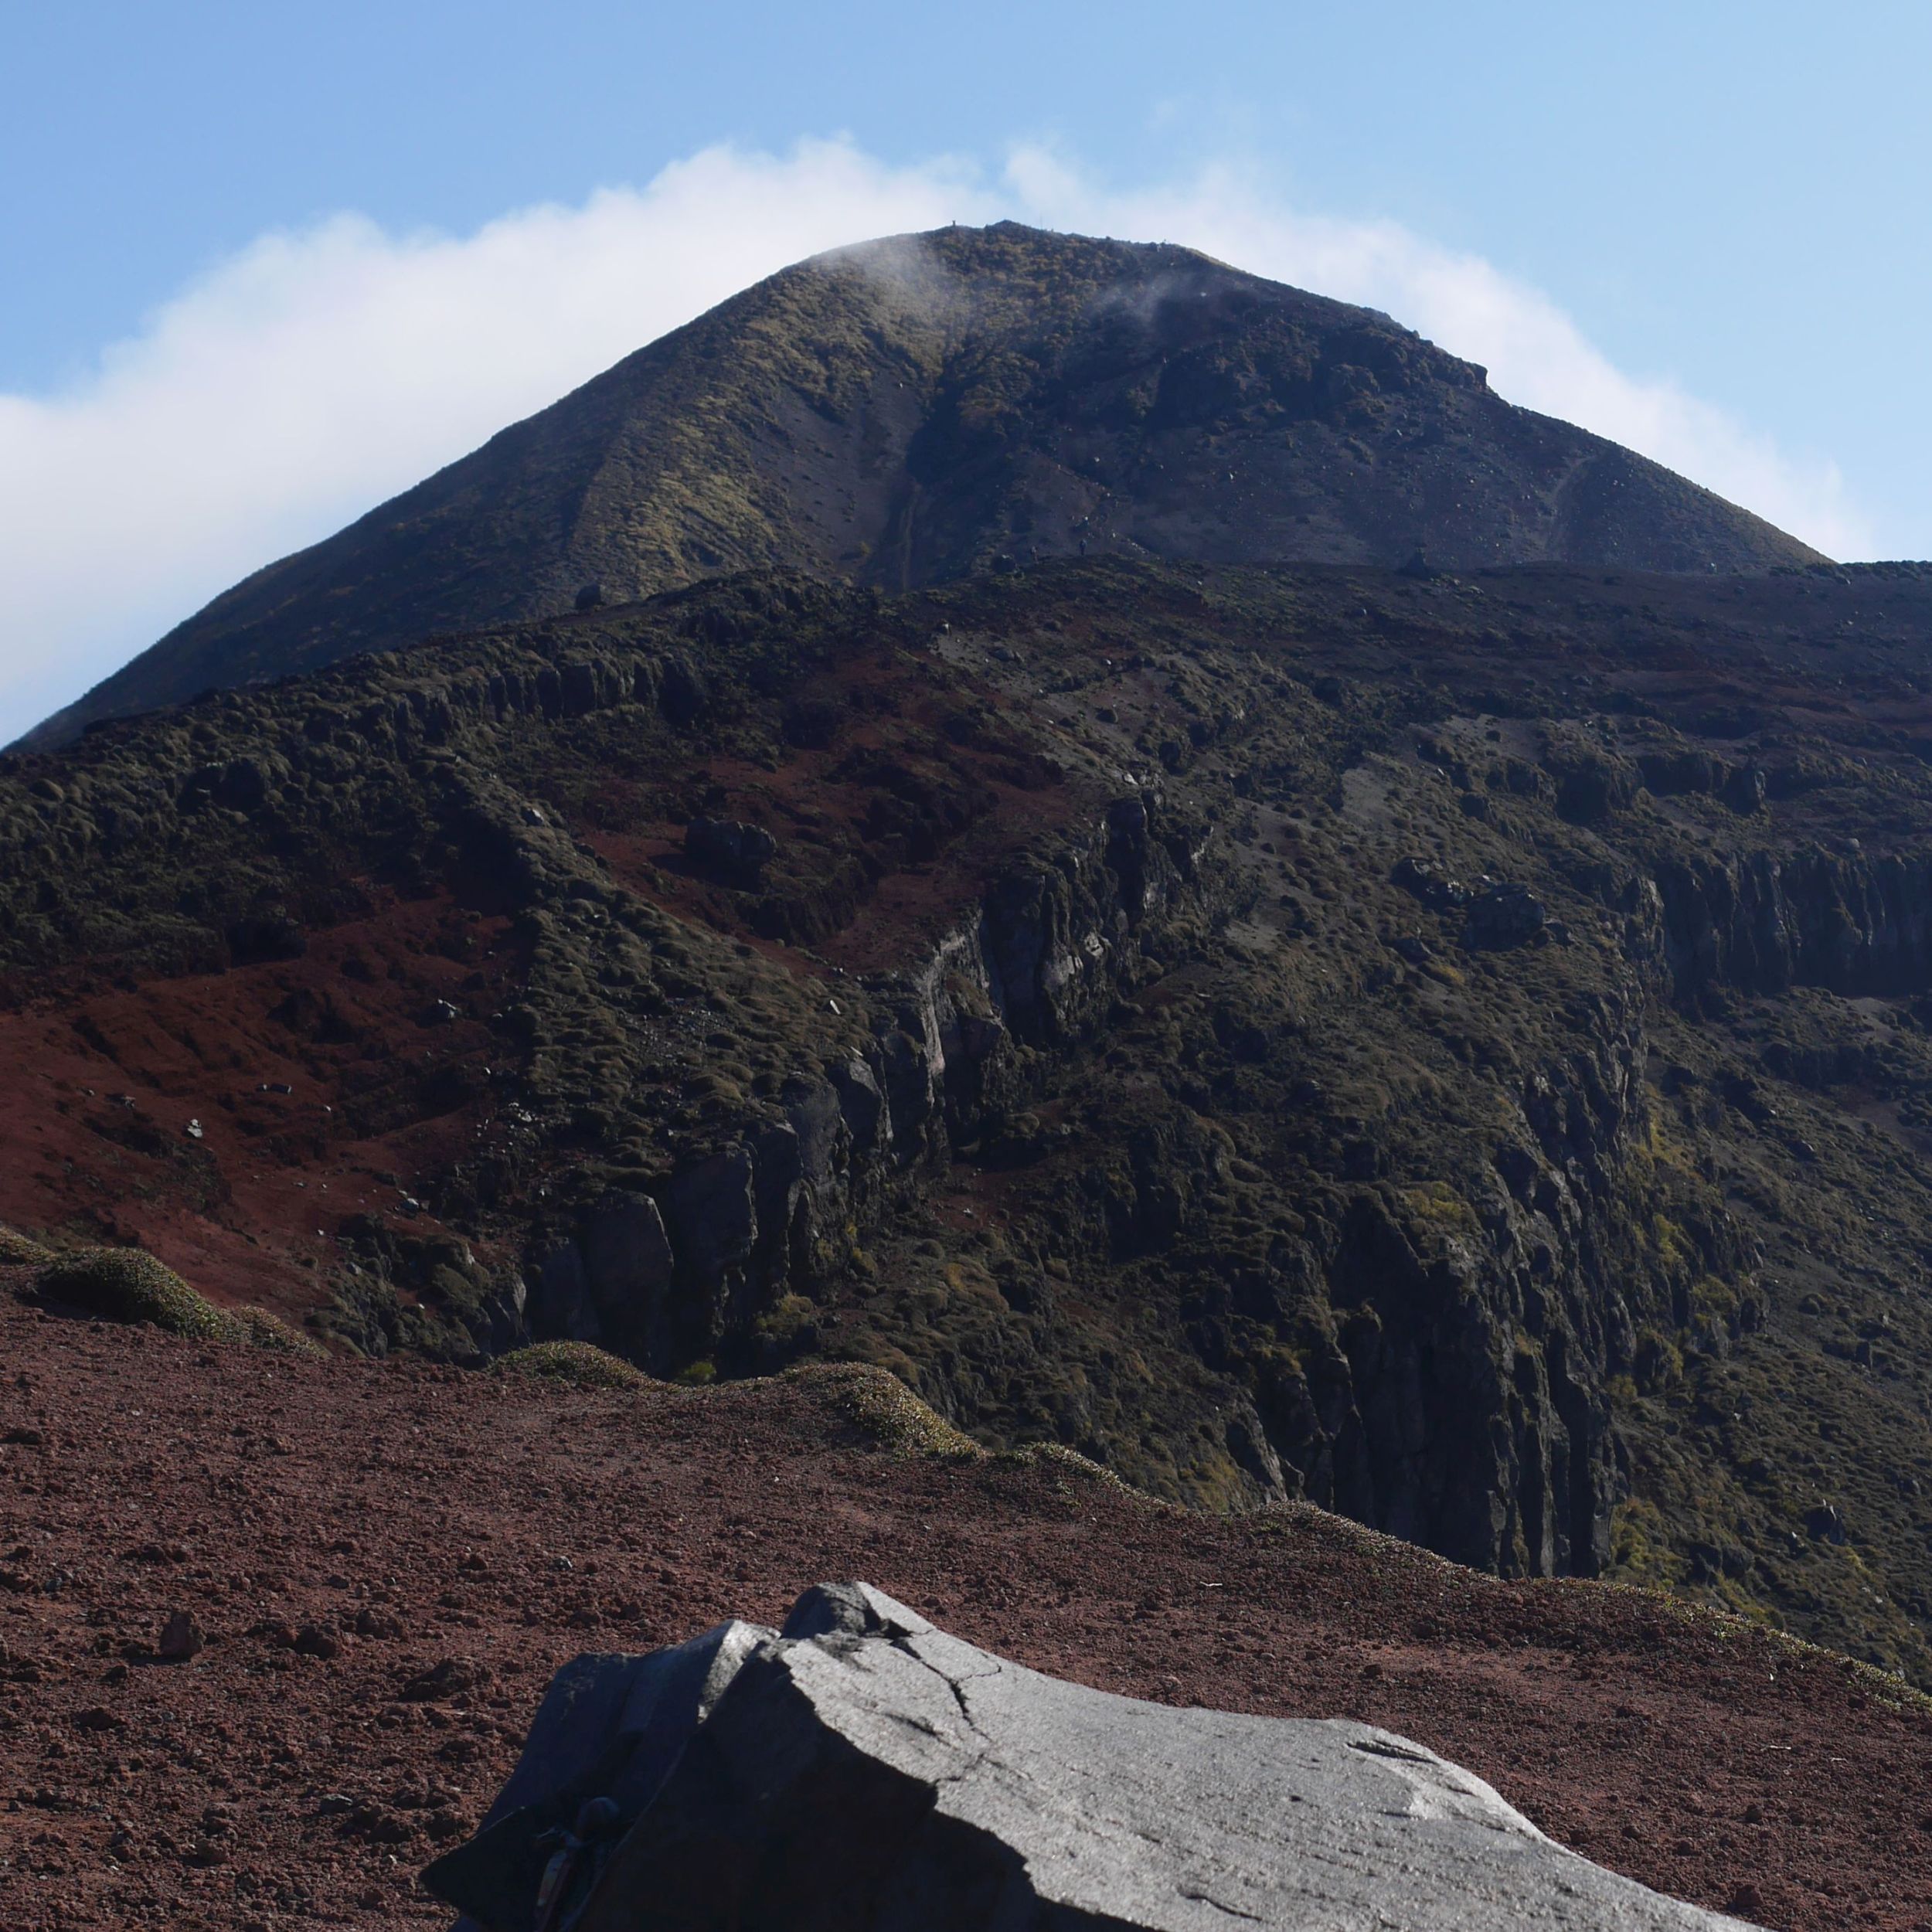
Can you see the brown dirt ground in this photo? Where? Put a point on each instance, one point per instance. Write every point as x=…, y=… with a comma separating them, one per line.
x=413, y=1515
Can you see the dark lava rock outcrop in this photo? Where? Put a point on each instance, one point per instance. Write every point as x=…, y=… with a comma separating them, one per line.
x=860, y=1769
x=920, y=408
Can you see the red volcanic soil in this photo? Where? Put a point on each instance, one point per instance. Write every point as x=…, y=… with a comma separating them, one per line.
x=338, y=1528
x=920, y=806
x=322, y=1087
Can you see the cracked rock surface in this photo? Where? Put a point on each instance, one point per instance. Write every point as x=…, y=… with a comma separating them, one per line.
x=860, y=1769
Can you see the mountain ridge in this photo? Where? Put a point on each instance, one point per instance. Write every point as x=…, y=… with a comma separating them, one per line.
x=922, y=407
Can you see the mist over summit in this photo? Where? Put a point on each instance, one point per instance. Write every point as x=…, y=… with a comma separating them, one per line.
x=919, y=408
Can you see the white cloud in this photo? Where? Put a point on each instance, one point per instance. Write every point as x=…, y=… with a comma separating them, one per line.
x=318, y=372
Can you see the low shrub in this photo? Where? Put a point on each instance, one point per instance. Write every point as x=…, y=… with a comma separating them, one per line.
x=17, y=1251
x=576, y=1362
x=889, y=1414
x=128, y=1284
x=266, y=1331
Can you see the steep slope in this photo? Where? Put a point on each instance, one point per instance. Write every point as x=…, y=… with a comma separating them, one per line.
x=919, y=409
x=1453, y=1048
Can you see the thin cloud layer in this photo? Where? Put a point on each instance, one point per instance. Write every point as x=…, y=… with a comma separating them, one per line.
x=318, y=372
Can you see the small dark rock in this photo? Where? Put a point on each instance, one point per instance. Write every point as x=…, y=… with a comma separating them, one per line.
x=1744, y=790
x=379, y=1825
x=317, y=1640
x=1425, y=882
x=1505, y=914
x=451, y=1678
x=182, y=1639
x=159, y=1553
x=1823, y=1524
x=729, y=848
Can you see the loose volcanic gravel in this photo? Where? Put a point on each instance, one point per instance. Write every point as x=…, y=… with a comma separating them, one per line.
x=371, y=1571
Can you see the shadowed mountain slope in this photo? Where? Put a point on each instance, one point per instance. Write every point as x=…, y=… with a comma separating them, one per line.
x=925, y=407
x=1455, y=1048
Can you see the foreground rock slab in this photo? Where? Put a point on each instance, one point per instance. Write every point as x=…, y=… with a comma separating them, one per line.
x=860, y=1769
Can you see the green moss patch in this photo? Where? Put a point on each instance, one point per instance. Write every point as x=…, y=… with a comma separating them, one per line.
x=127, y=1284
x=888, y=1413
x=262, y=1330
x=17, y=1251
x=576, y=1362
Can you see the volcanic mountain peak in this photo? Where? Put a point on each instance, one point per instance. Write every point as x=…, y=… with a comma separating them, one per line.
x=922, y=407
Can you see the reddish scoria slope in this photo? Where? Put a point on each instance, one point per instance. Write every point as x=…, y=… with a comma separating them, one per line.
x=392, y=1519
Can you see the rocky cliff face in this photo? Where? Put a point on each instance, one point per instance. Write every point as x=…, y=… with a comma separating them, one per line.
x=1457, y=1394
x=1031, y=972
x=1315, y=1033
x=1766, y=921
x=1455, y=1391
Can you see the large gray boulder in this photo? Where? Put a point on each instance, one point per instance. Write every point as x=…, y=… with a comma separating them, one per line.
x=860, y=1771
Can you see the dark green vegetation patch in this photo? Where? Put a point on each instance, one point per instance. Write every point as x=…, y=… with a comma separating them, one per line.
x=18, y=1250
x=885, y=1410
x=124, y=1284
x=576, y=1362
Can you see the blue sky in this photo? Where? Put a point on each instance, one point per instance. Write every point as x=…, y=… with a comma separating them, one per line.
x=1701, y=227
